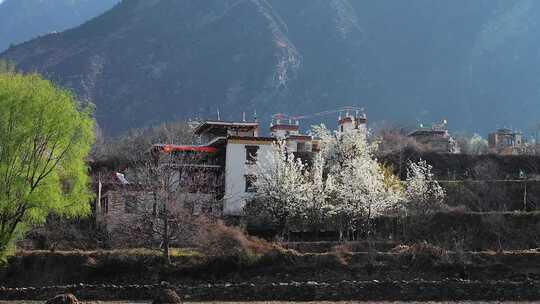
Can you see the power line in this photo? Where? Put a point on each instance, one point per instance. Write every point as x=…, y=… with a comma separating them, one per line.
x=280, y=116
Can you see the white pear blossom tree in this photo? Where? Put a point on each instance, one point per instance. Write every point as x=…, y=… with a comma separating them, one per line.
x=345, y=185
x=358, y=184
x=281, y=186
x=425, y=195
x=317, y=209
x=477, y=145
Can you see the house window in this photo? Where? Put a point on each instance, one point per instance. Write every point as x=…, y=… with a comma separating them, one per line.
x=130, y=204
x=251, y=154
x=250, y=183
x=301, y=147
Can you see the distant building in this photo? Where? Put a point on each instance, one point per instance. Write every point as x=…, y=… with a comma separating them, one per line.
x=350, y=122
x=242, y=147
x=197, y=179
x=240, y=144
x=435, y=138
x=289, y=131
x=506, y=141
x=121, y=203
x=217, y=176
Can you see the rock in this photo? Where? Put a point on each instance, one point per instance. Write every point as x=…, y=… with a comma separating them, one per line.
x=164, y=285
x=67, y=298
x=167, y=296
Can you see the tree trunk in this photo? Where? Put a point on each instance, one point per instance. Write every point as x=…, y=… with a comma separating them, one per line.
x=340, y=228
x=166, y=238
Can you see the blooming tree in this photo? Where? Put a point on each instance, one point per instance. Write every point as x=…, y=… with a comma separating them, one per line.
x=477, y=145
x=345, y=185
x=316, y=209
x=281, y=186
x=359, y=190
x=424, y=194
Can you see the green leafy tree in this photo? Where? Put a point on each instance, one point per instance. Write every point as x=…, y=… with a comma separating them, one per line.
x=44, y=141
x=7, y=66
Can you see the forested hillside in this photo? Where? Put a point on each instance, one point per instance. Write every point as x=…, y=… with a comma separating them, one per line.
x=474, y=63
x=22, y=20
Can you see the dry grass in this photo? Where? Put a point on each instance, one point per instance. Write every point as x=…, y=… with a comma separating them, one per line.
x=130, y=252
x=343, y=253
x=219, y=240
x=421, y=255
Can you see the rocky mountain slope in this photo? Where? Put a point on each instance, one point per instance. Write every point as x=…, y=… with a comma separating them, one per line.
x=472, y=62
x=22, y=20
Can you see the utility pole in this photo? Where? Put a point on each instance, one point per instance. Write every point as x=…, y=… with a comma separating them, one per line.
x=400, y=160
x=525, y=197
x=523, y=178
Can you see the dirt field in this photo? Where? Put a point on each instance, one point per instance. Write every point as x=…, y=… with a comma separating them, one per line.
x=128, y=302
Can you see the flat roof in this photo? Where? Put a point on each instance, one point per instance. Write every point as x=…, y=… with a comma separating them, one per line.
x=217, y=142
x=204, y=126
x=252, y=138
x=285, y=127
x=168, y=148
x=506, y=131
x=427, y=132
x=300, y=136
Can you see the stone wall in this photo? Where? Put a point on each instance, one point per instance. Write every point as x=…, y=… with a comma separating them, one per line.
x=115, y=207
x=122, y=205
x=299, y=291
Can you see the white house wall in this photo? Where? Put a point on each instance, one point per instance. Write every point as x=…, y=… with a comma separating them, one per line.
x=236, y=168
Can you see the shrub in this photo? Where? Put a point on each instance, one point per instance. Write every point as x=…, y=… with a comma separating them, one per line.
x=421, y=255
x=279, y=257
x=230, y=247
x=343, y=253
x=399, y=249
x=64, y=235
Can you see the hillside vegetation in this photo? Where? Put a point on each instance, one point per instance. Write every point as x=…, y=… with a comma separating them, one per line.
x=22, y=20
x=145, y=62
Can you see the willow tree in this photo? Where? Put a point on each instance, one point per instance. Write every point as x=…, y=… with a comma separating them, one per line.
x=44, y=140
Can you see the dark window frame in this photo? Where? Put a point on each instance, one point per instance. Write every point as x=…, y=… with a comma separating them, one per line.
x=249, y=181
x=251, y=154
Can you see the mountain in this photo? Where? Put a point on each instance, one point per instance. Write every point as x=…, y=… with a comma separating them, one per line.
x=475, y=62
x=21, y=20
